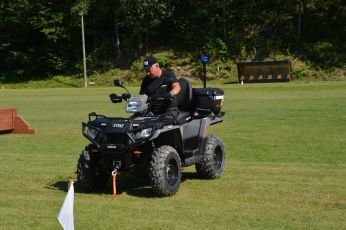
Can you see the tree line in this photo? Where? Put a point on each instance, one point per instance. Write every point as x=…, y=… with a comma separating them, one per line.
x=41, y=38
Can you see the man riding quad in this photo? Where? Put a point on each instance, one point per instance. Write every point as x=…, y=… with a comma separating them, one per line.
x=163, y=84
x=168, y=131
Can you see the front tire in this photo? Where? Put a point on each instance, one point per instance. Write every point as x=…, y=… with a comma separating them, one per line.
x=165, y=171
x=213, y=160
x=90, y=173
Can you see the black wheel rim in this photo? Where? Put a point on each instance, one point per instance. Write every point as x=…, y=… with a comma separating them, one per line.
x=218, y=158
x=172, y=172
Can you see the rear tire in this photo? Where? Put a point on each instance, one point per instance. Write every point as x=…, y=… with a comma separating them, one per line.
x=213, y=160
x=165, y=171
x=90, y=173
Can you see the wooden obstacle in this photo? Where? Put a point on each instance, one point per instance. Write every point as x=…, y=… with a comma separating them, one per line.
x=264, y=71
x=10, y=122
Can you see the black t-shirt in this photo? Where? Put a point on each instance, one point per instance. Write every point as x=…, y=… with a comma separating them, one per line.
x=151, y=86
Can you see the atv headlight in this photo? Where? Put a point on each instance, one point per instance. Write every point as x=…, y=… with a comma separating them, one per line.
x=137, y=104
x=91, y=133
x=133, y=106
x=144, y=133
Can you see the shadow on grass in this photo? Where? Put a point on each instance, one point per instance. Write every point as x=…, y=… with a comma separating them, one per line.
x=190, y=176
x=129, y=183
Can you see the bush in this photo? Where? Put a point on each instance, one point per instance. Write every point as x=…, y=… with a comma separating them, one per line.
x=216, y=50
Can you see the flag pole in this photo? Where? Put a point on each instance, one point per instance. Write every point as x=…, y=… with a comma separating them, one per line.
x=81, y=14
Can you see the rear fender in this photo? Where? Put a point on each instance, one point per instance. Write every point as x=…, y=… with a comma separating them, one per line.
x=203, y=133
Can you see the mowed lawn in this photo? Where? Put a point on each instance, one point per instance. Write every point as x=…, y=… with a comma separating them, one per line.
x=286, y=164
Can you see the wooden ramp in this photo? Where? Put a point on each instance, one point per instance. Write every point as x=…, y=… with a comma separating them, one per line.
x=10, y=122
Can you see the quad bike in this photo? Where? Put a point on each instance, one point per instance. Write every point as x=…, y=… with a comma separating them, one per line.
x=152, y=145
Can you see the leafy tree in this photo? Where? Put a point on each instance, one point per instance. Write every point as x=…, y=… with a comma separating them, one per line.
x=41, y=38
x=35, y=41
x=143, y=16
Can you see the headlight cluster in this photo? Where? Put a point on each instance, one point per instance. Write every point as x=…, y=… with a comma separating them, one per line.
x=133, y=106
x=136, y=104
x=144, y=133
x=91, y=133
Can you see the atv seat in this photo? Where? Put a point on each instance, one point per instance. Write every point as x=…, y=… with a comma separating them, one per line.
x=184, y=99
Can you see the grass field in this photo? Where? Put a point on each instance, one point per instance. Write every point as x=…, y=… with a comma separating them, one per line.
x=286, y=164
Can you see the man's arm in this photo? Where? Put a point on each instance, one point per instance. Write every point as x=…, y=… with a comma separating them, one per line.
x=175, y=89
x=173, y=81
x=143, y=85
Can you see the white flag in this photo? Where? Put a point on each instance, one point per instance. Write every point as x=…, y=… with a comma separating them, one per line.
x=65, y=215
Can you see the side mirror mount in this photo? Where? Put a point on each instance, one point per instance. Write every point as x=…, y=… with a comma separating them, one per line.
x=118, y=83
x=126, y=96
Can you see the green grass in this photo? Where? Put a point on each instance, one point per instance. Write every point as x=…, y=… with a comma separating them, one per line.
x=286, y=164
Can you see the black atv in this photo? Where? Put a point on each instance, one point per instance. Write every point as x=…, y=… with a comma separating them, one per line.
x=153, y=145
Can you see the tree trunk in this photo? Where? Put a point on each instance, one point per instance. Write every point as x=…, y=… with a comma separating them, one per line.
x=139, y=42
x=224, y=22
x=302, y=9
x=146, y=41
x=119, y=59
